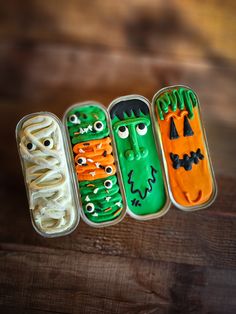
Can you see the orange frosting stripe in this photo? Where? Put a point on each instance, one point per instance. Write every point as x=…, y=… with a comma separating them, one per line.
x=97, y=155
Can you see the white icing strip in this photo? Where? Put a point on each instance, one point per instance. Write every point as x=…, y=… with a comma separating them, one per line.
x=47, y=175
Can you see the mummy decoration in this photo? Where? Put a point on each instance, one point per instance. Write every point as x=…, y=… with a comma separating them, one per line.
x=50, y=191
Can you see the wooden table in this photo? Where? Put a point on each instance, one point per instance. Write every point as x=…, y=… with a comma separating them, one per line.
x=55, y=53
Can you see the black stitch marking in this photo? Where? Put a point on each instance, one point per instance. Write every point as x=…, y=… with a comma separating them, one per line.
x=135, y=202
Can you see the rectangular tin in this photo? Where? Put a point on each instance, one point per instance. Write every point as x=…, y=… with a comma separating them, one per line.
x=179, y=130
x=41, y=192
x=139, y=195
x=120, y=183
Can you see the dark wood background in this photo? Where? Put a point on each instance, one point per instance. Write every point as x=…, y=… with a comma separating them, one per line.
x=57, y=52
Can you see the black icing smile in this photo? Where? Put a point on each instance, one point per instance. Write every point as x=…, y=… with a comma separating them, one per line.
x=187, y=161
x=150, y=181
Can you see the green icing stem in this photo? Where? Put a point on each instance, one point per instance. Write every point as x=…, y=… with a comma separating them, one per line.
x=177, y=98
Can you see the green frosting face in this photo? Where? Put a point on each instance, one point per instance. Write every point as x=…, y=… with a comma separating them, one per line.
x=94, y=161
x=86, y=125
x=138, y=157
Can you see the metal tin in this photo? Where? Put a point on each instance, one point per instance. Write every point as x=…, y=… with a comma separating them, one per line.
x=92, y=143
x=138, y=154
x=179, y=129
x=48, y=176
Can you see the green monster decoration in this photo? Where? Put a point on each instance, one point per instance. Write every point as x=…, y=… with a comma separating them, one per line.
x=138, y=157
x=95, y=164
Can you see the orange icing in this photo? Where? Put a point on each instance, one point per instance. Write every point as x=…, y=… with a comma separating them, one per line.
x=98, y=156
x=193, y=187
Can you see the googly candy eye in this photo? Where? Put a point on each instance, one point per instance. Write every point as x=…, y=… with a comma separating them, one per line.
x=108, y=184
x=109, y=169
x=30, y=146
x=74, y=119
x=48, y=142
x=141, y=129
x=98, y=126
x=81, y=161
x=90, y=207
x=123, y=132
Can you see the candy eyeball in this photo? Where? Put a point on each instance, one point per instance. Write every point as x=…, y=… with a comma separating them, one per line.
x=141, y=129
x=108, y=184
x=108, y=169
x=48, y=143
x=98, y=126
x=90, y=207
x=30, y=146
x=74, y=119
x=81, y=161
x=123, y=132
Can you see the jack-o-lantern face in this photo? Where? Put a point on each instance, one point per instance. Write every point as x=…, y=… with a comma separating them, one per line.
x=187, y=159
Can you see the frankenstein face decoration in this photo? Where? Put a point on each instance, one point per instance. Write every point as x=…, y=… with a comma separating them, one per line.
x=190, y=176
x=139, y=162
x=95, y=164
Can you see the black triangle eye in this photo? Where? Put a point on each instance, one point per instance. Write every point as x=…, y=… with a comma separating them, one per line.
x=173, y=132
x=187, y=127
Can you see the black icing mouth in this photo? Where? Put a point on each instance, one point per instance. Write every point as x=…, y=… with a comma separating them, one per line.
x=150, y=181
x=187, y=161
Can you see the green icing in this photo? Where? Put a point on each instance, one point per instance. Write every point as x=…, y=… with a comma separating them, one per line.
x=105, y=203
x=85, y=123
x=139, y=161
x=181, y=98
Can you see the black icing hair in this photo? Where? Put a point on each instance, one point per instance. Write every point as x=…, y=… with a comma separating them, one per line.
x=130, y=106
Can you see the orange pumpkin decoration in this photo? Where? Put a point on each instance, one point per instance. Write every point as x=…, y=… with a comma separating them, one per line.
x=191, y=179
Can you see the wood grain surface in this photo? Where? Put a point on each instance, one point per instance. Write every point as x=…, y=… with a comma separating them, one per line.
x=56, y=53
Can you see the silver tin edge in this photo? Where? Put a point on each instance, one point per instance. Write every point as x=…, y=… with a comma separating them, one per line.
x=166, y=207
x=85, y=219
x=75, y=198
x=158, y=136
